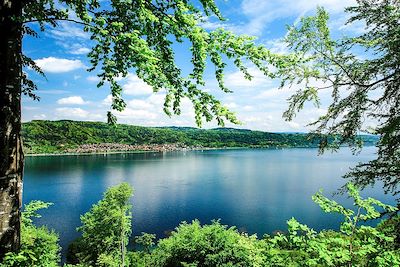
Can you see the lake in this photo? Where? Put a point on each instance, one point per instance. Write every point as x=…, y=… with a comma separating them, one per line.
x=257, y=190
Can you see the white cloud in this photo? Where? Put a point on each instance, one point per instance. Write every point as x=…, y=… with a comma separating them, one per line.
x=72, y=113
x=40, y=116
x=107, y=101
x=72, y=100
x=156, y=99
x=29, y=108
x=140, y=104
x=277, y=46
x=251, y=119
x=93, y=78
x=137, y=114
x=247, y=108
x=237, y=79
x=59, y=65
x=274, y=93
x=66, y=30
x=260, y=12
x=231, y=105
x=135, y=86
x=79, y=50
x=294, y=125
x=207, y=24
x=52, y=92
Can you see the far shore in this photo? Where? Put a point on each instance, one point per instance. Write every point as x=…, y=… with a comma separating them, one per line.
x=107, y=152
x=111, y=152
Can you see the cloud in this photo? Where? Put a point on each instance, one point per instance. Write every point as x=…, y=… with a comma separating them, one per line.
x=276, y=92
x=207, y=24
x=140, y=104
x=107, y=101
x=59, y=65
x=137, y=114
x=66, y=30
x=71, y=37
x=237, y=79
x=260, y=12
x=93, y=78
x=72, y=100
x=79, y=50
x=135, y=86
x=52, y=92
x=231, y=105
x=40, y=116
x=72, y=113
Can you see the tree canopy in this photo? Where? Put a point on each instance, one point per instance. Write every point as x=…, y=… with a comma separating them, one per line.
x=362, y=74
x=139, y=35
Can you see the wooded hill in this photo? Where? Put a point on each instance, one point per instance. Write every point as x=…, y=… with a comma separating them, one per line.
x=42, y=136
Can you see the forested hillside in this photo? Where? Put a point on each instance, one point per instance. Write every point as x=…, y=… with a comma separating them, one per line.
x=59, y=136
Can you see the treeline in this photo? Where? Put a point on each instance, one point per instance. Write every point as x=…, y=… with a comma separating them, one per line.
x=106, y=230
x=42, y=136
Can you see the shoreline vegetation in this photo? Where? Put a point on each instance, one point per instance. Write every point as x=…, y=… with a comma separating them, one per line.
x=66, y=137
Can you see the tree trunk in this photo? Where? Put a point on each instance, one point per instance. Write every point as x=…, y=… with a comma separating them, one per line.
x=11, y=155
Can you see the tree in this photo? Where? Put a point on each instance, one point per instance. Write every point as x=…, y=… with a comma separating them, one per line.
x=126, y=35
x=364, y=89
x=106, y=228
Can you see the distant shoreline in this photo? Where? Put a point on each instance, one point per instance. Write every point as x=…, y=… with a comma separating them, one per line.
x=146, y=151
x=156, y=151
x=109, y=152
x=45, y=138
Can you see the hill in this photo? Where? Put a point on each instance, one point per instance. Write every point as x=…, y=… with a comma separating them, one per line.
x=41, y=136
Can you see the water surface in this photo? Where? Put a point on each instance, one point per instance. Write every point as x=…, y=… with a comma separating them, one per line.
x=256, y=190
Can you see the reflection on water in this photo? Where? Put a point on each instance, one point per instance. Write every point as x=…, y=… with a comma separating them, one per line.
x=256, y=190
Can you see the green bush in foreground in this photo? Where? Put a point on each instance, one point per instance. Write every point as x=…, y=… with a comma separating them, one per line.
x=353, y=245
x=107, y=226
x=210, y=245
x=39, y=246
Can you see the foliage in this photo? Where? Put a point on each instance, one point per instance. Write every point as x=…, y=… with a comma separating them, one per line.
x=106, y=229
x=139, y=35
x=39, y=246
x=364, y=87
x=56, y=136
x=210, y=245
x=146, y=241
x=353, y=245
x=391, y=227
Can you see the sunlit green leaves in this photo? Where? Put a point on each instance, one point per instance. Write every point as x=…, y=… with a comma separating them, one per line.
x=39, y=246
x=138, y=36
x=106, y=229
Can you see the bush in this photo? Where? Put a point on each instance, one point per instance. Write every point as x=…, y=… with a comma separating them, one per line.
x=39, y=246
x=210, y=245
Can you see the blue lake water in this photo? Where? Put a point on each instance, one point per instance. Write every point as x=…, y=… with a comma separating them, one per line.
x=255, y=190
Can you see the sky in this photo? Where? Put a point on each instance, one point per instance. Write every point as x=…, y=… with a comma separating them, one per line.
x=69, y=91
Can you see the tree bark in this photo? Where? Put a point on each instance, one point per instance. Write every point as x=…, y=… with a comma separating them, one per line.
x=11, y=155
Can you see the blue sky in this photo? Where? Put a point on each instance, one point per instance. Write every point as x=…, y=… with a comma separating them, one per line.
x=70, y=91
